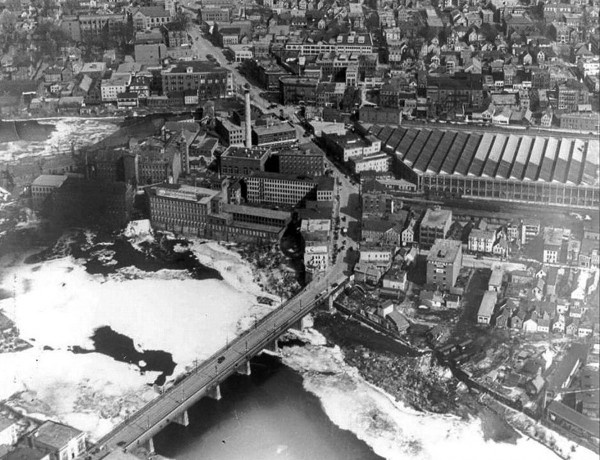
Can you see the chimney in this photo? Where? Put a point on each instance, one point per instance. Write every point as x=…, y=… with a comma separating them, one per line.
x=248, y=119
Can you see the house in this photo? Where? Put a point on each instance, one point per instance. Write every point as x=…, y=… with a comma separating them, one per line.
x=586, y=328
x=487, y=306
x=398, y=321
x=516, y=322
x=559, y=324
x=381, y=256
x=365, y=272
x=531, y=324
x=58, y=440
x=572, y=327
x=394, y=281
x=432, y=298
x=408, y=234
x=503, y=319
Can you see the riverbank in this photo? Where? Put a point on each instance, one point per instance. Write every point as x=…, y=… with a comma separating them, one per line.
x=394, y=429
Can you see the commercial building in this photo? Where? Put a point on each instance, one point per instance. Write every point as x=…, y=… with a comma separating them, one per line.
x=357, y=43
x=378, y=162
x=247, y=224
x=435, y=224
x=148, y=17
x=588, y=122
x=302, y=160
x=196, y=211
x=205, y=77
x=241, y=161
x=58, y=440
x=274, y=135
x=351, y=145
x=267, y=72
x=553, y=239
x=504, y=167
x=182, y=208
x=231, y=133
x=213, y=13
x=443, y=263
x=280, y=189
x=42, y=187
x=111, y=88
x=295, y=90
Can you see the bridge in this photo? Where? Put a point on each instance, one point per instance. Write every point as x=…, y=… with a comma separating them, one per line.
x=204, y=380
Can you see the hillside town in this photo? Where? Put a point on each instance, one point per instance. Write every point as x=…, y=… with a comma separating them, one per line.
x=444, y=152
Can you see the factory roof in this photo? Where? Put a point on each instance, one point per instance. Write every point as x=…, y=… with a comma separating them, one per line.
x=494, y=155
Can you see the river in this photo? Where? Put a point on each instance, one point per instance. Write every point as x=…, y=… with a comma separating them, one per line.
x=268, y=415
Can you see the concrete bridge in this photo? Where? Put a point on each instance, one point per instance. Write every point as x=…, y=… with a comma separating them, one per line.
x=171, y=406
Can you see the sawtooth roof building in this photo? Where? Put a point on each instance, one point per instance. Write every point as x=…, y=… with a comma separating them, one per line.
x=502, y=166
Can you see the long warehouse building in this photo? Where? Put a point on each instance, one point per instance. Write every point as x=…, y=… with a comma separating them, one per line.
x=508, y=167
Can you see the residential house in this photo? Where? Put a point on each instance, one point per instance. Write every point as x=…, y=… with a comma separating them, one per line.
x=368, y=273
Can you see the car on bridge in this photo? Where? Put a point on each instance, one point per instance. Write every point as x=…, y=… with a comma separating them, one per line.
x=221, y=359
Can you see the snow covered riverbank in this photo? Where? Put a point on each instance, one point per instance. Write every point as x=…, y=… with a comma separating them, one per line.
x=393, y=430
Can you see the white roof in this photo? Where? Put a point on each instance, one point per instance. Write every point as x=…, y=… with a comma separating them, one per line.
x=47, y=180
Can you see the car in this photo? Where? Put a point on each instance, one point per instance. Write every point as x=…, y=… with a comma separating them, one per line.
x=334, y=285
x=221, y=359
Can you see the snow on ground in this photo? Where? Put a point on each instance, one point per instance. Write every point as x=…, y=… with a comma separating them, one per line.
x=69, y=129
x=393, y=430
x=58, y=305
x=236, y=271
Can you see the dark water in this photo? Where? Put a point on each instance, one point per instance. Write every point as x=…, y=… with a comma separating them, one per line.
x=121, y=348
x=266, y=416
x=154, y=257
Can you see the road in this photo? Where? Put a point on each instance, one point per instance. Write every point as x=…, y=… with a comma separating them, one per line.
x=202, y=47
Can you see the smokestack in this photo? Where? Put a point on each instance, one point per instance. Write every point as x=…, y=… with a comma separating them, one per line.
x=248, y=119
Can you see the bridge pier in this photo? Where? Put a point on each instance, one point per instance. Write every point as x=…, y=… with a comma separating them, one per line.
x=301, y=324
x=244, y=369
x=183, y=419
x=151, y=449
x=214, y=392
x=273, y=346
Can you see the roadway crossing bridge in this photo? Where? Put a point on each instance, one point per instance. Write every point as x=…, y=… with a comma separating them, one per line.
x=204, y=380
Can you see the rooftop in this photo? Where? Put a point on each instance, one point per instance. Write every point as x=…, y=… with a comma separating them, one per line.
x=274, y=128
x=501, y=156
x=436, y=217
x=444, y=251
x=488, y=303
x=47, y=180
x=55, y=434
x=186, y=193
x=195, y=66
x=254, y=153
